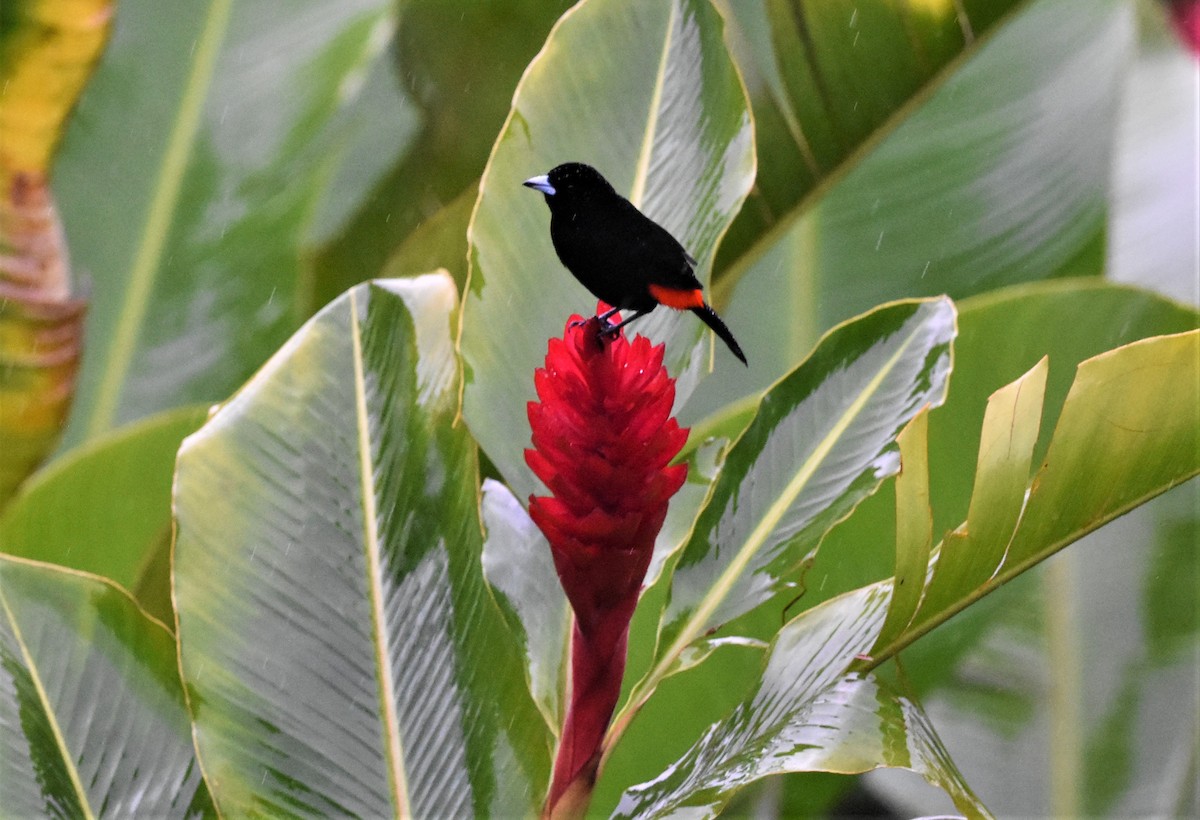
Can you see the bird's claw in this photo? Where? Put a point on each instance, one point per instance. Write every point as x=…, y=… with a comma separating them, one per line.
x=608, y=327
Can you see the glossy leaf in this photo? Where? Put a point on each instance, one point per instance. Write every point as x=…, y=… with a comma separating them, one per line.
x=1001, y=335
x=92, y=720
x=823, y=439
x=519, y=568
x=914, y=526
x=1070, y=691
x=1130, y=450
x=341, y=652
x=1125, y=429
x=664, y=118
x=997, y=173
x=104, y=508
x=196, y=254
x=379, y=122
x=1106, y=457
x=818, y=89
x=807, y=715
x=970, y=555
x=984, y=673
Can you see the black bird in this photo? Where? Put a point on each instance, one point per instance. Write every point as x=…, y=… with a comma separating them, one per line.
x=618, y=253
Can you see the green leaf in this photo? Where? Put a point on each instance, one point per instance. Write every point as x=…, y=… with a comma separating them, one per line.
x=914, y=526
x=1129, y=450
x=92, y=721
x=378, y=121
x=518, y=566
x=807, y=715
x=970, y=555
x=106, y=507
x=1126, y=434
x=1004, y=334
x=197, y=250
x=983, y=674
x=1001, y=336
x=998, y=172
x=823, y=439
x=663, y=117
x=814, y=67
x=1067, y=690
x=341, y=652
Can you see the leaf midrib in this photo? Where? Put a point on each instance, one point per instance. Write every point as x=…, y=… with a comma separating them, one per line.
x=147, y=260
x=724, y=284
x=47, y=709
x=695, y=624
x=389, y=720
x=642, y=170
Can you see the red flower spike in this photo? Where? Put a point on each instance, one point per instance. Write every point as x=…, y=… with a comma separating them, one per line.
x=603, y=438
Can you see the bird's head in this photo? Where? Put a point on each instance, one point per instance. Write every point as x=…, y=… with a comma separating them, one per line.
x=569, y=181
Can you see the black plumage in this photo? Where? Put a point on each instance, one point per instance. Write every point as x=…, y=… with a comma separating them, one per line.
x=618, y=253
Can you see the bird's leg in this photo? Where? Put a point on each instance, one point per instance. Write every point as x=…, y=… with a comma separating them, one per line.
x=611, y=330
x=600, y=317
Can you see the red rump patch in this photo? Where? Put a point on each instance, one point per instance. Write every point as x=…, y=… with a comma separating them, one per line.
x=678, y=299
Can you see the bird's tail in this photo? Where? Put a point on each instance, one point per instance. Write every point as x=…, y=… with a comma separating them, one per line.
x=710, y=318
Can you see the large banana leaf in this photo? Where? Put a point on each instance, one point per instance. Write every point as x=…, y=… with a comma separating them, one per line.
x=998, y=174
x=1124, y=435
x=1085, y=665
x=1075, y=681
x=645, y=92
x=520, y=570
x=341, y=651
x=212, y=130
x=818, y=91
x=807, y=715
x=823, y=440
x=1137, y=447
x=1001, y=336
x=1106, y=457
x=92, y=720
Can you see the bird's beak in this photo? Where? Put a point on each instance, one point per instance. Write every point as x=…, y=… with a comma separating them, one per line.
x=541, y=183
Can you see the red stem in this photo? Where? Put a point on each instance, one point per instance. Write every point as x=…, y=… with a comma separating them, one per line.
x=597, y=667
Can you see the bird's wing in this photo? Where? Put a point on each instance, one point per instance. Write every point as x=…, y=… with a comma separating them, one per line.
x=665, y=259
